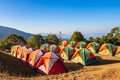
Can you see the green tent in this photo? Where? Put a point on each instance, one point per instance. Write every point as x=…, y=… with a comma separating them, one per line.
x=52, y=48
x=81, y=44
x=72, y=43
x=93, y=47
x=107, y=49
x=83, y=56
x=44, y=46
x=67, y=52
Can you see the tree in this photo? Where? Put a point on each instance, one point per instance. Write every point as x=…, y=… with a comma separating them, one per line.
x=12, y=40
x=114, y=36
x=51, y=38
x=2, y=44
x=35, y=41
x=91, y=39
x=77, y=36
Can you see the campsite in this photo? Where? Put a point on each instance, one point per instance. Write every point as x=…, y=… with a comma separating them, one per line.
x=59, y=39
x=51, y=58
x=61, y=62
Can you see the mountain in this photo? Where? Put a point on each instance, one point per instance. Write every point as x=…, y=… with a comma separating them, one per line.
x=5, y=31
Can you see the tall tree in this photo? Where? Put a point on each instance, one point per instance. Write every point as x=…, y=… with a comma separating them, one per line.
x=35, y=41
x=52, y=38
x=114, y=36
x=11, y=40
x=77, y=36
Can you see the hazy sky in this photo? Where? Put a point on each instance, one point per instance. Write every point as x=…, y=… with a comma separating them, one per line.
x=44, y=16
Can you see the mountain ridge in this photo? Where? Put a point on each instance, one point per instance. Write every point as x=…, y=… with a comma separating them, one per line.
x=5, y=31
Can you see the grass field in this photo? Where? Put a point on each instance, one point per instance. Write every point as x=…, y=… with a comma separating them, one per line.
x=107, y=68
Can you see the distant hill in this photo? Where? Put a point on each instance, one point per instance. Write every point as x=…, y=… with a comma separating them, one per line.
x=5, y=31
x=63, y=36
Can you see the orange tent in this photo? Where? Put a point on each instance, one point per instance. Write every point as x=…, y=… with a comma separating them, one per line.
x=117, y=51
x=107, y=49
x=64, y=43
x=34, y=57
x=83, y=56
x=25, y=53
x=80, y=44
x=14, y=50
x=50, y=63
x=19, y=51
x=93, y=47
x=67, y=52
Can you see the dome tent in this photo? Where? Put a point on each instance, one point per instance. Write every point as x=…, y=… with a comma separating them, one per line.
x=34, y=57
x=54, y=48
x=19, y=51
x=67, y=52
x=45, y=47
x=64, y=43
x=14, y=50
x=72, y=43
x=117, y=51
x=25, y=53
x=107, y=49
x=93, y=47
x=50, y=63
x=80, y=44
x=83, y=56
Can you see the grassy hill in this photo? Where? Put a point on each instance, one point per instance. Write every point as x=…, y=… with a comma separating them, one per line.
x=5, y=31
x=107, y=68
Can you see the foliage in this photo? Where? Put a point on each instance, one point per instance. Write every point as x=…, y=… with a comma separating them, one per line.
x=51, y=38
x=77, y=36
x=35, y=41
x=112, y=37
x=91, y=39
x=11, y=40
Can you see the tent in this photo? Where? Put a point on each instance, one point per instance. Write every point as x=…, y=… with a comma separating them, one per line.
x=50, y=63
x=81, y=44
x=64, y=43
x=54, y=48
x=34, y=57
x=93, y=47
x=67, y=52
x=83, y=56
x=25, y=53
x=14, y=50
x=19, y=51
x=72, y=43
x=107, y=49
x=45, y=47
x=117, y=51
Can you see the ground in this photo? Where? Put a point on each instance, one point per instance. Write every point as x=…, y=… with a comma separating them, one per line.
x=107, y=68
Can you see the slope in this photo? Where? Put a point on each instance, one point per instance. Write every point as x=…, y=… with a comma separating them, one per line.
x=14, y=67
x=5, y=31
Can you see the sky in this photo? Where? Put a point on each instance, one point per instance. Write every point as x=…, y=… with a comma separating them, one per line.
x=90, y=17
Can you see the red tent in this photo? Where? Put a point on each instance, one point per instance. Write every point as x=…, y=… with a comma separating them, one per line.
x=50, y=63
